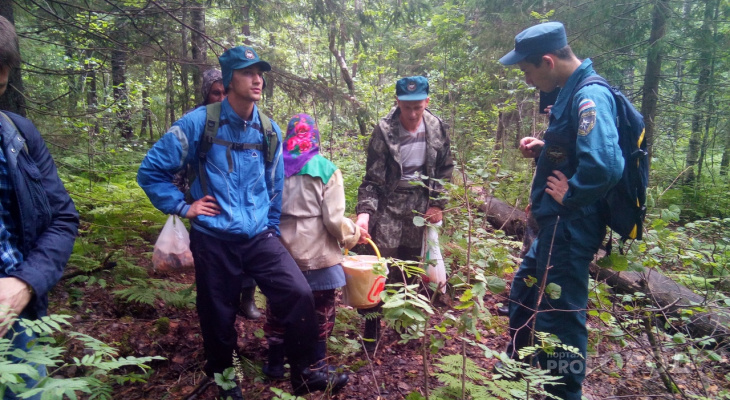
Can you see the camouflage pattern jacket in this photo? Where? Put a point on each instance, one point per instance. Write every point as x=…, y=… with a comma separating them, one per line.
x=383, y=169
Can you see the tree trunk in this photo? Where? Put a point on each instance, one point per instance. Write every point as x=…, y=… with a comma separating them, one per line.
x=146, y=112
x=271, y=78
x=725, y=163
x=711, y=98
x=185, y=65
x=653, y=70
x=503, y=216
x=119, y=65
x=169, y=95
x=12, y=100
x=705, y=43
x=72, y=79
x=499, y=138
x=344, y=71
x=246, y=24
x=670, y=297
x=197, y=21
x=91, y=96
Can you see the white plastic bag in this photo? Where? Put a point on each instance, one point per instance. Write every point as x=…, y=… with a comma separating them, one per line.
x=172, y=249
x=435, y=269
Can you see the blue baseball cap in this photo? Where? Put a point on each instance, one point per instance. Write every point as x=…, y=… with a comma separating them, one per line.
x=411, y=88
x=239, y=57
x=536, y=40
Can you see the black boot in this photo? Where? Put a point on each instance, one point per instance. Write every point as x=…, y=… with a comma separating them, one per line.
x=309, y=381
x=248, y=309
x=274, y=369
x=320, y=352
x=503, y=311
x=371, y=334
x=230, y=394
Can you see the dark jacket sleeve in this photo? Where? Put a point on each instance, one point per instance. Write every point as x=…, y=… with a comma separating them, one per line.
x=45, y=254
x=374, y=182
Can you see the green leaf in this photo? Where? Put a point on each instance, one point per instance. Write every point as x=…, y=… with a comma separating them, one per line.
x=679, y=338
x=616, y=262
x=495, y=284
x=714, y=356
x=553, y=290
x=419, y=221
x=463, y=306
x=530, y=281
x=466, y=296
x=618, y=359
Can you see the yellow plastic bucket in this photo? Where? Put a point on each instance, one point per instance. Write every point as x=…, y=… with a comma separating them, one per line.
x=363, y=285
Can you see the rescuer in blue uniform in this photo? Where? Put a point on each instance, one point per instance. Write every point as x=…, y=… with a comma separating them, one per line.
x=234, y=222
x=578, y=161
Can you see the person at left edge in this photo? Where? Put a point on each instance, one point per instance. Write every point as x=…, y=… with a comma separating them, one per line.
x=38, y=221
x=235, y=226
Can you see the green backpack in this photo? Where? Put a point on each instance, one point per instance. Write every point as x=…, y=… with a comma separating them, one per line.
x=213, y=114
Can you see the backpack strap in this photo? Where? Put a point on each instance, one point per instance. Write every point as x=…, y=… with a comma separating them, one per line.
x=212, y=119
x=212, y=122
x=271, y=140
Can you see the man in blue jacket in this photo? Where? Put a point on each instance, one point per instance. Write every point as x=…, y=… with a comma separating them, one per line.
x=38, y=220
x=578, y=161
x=235, y=223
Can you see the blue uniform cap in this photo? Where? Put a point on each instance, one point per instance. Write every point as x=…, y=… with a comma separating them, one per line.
x=536, y=40
x=412, y=88
x=239, y=57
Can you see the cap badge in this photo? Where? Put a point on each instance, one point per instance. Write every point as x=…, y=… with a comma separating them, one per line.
x=249, y=54
x=411, y=86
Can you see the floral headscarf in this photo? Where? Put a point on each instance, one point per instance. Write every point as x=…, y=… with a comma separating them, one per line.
x=301, y=143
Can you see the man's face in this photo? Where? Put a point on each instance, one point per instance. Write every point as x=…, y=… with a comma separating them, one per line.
x=4, y=74
x=246, y=84
x=217, y=93
x=540, y=77
x=411, y=112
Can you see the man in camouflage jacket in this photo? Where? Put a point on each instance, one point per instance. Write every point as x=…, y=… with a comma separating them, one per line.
x=409, y=156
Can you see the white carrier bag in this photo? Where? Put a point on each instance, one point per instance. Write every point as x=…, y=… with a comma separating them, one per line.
x=435, y=268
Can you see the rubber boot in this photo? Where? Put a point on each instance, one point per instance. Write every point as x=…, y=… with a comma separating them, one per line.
x=372, y=332
x=309, y=381
x=320, y=352
x=274, y=369
x=230, y=394
x=248, y=309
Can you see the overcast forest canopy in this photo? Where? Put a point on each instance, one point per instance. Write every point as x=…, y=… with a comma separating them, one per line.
x=103, y=80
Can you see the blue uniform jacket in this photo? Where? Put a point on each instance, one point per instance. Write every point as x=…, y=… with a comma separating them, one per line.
x=248, y=192
x=581, y=142
x=45, y=215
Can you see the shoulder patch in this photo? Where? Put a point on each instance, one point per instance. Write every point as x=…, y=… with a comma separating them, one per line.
x=587, y=121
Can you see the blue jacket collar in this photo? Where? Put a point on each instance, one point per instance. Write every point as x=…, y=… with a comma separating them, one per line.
x=234, y=119
x=585, y=69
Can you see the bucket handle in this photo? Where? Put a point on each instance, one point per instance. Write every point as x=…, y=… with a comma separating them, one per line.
x=377, y=252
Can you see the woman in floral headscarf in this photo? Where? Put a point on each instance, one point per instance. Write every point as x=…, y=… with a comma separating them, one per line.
x=313, y=225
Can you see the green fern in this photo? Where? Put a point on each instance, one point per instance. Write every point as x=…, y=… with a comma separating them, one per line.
x=146, y=291
x=99, y=361
x=480, y=386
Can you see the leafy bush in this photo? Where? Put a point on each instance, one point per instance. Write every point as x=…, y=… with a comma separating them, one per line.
x=101, y=367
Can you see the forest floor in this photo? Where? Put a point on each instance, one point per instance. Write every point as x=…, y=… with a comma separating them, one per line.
x=391, y=373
